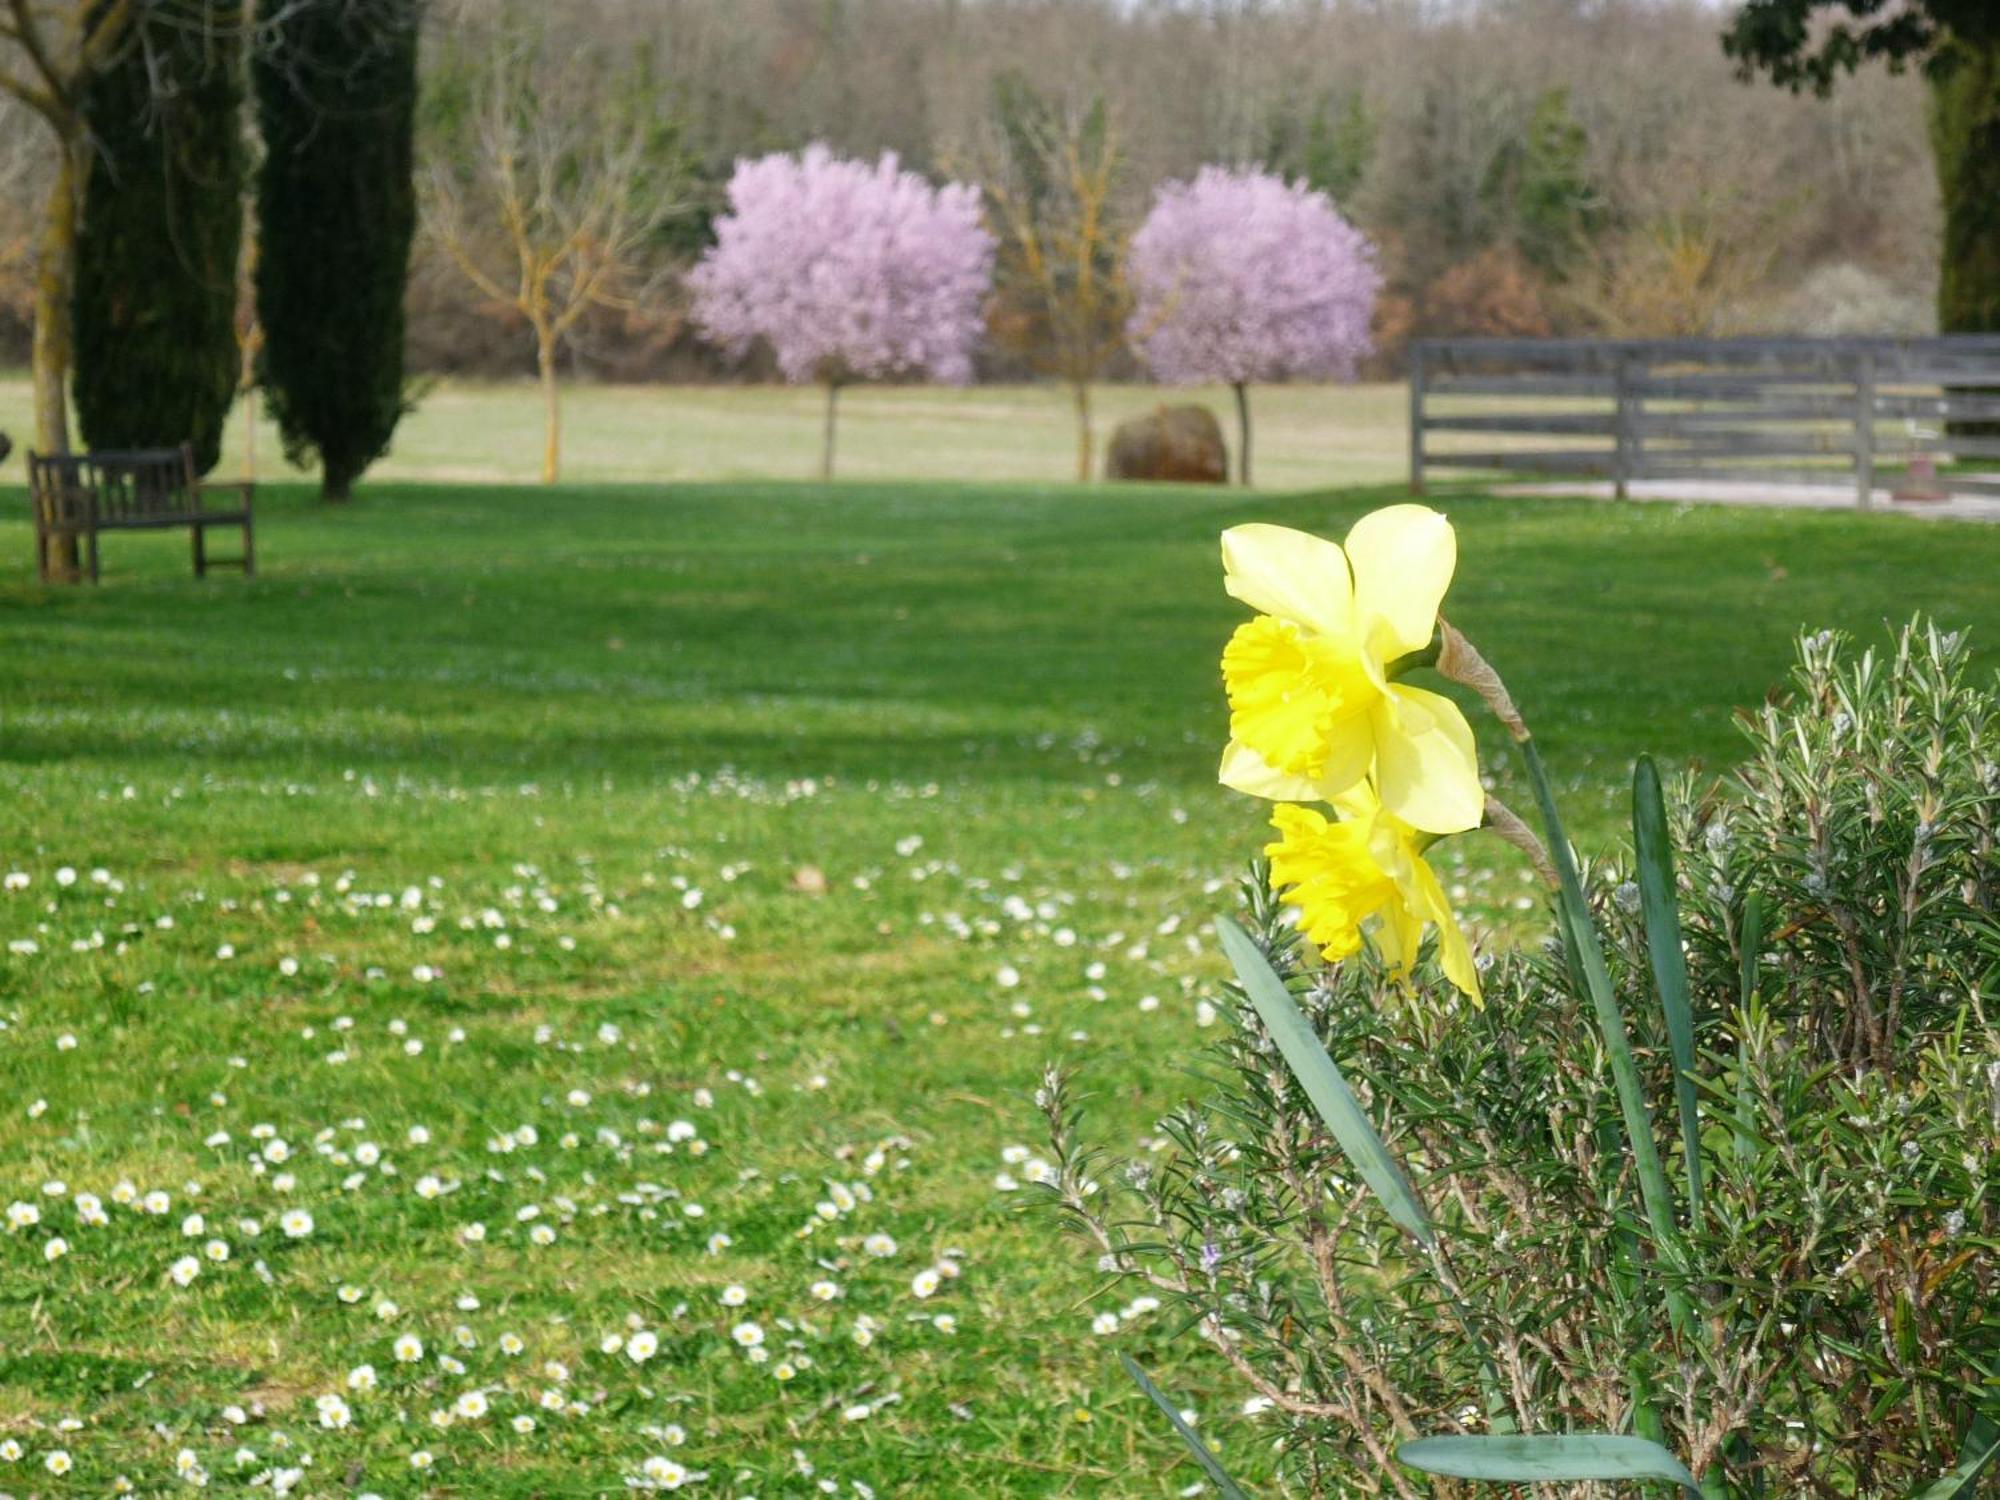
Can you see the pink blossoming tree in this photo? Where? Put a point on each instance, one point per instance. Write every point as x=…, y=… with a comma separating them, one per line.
x=1241, y=276
x=848, y=271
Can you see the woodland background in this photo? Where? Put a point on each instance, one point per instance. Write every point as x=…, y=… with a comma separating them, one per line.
x=1525, y=166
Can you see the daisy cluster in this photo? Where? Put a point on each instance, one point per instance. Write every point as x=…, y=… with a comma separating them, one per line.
x=455, y=1254
x=416, y=1188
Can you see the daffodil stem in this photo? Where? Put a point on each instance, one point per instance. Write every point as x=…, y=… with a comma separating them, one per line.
x=1403, y=665
x=1580, y=936
x=1459, y=661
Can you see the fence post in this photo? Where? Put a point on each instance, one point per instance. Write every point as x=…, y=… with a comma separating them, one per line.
x=1416, y=419
x=1624, y=429
x=1864, y=429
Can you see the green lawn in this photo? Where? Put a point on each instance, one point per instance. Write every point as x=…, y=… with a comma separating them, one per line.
x=465, y=851
x=490, y=432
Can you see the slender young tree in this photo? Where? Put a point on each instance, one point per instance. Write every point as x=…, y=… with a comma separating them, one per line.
x=1241, y=276
x=1051, y=196
x=550, y=181
x=848, y=271
x=48, y=50
x=336, y=88
x=162, y=220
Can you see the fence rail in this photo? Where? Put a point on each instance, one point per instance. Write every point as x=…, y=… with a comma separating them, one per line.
x=1774, y=411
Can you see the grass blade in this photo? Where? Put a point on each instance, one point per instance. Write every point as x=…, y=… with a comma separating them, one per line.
x=1210, y=1464
x=1547, y=1458
x=1654, y=856
x=1324, y=1085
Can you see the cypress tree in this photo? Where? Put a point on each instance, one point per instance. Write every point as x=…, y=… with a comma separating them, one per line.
x=336, y=88
x=1965, y=129
x=155, y=291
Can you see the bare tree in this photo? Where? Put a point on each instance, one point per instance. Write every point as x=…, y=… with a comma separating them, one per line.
x=47, y=51
x=1676, y=277
x=1052, y=180
x=24, y=173
x=548, y=184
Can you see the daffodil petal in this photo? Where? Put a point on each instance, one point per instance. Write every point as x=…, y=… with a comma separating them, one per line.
x=1399, y=936
x=1358, y=802
x=1426, y=765
x=1402, y=558
x=1454, y=952
x=1291, y=574
x=1244, y=770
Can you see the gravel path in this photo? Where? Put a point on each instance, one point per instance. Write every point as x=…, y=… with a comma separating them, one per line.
x=1788, y=496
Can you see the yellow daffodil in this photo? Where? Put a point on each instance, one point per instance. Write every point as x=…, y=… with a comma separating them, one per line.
x=1367, y=867
x=1312, y=708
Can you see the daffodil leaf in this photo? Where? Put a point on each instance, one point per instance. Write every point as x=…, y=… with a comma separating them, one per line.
x=1751, y=940
x=1587, y=961
x=1653, y=852
x=1323, y=1084
x=1211, y=1465
x=1547, y=1458
x=1982, y=1446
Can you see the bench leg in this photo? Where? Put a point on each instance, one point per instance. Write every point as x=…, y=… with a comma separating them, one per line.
x=94, y=578
x=41, y=555
x=200, y=550
x=249, y=550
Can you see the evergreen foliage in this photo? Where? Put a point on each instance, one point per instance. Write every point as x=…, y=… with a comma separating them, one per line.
x=155, y=293
x=336, y=87
x=1965, y=131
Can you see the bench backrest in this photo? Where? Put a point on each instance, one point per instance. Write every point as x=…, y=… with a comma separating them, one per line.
x=144, y=484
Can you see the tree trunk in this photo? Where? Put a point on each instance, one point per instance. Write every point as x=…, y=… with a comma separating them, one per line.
x=545, y=366
x=336, y=484
x=1085, y=448
x=826, y=444
x=249, y=397
x=1242, y=390
x=55, y=276
x=1965, y=136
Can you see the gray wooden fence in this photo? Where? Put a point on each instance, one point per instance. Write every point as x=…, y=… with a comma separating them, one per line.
x=1857, y=411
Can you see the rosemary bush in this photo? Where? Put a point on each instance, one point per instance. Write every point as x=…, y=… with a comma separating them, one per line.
x=1822, y=1317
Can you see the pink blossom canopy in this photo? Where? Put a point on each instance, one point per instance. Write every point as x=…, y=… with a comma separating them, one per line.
x=1241, y=276
x=848, y=271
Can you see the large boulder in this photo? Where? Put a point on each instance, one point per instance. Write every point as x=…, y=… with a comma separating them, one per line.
x=1178, y=444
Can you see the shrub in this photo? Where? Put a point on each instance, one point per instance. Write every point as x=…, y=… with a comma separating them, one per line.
x=1818, y=1317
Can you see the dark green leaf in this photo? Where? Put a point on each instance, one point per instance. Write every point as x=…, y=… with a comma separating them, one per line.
x=1752, y=940
x=1211, y=1465
x=1323, y=1084
x=1653, y=853
x=1973, y=1460
x=1547, y=1458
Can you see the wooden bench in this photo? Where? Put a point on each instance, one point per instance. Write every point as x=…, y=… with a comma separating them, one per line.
x=151, y=489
